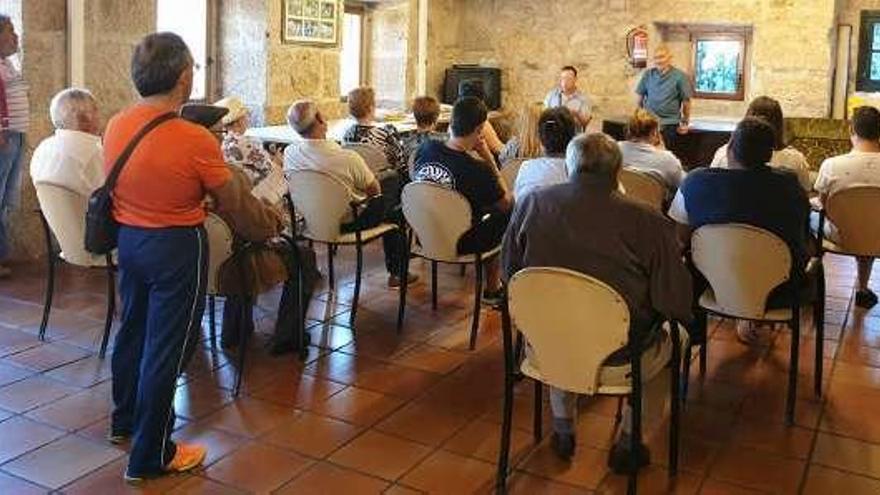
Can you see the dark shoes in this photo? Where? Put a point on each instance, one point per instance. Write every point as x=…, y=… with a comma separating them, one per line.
x=394, y=280
x=493, y=298
x=866, y=298
x=621, y=460
x=563, y=445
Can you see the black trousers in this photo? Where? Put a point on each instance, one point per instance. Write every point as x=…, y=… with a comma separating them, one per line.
x=385, y=208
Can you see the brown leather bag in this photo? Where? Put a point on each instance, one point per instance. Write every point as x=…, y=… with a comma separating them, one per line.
x=252, y=270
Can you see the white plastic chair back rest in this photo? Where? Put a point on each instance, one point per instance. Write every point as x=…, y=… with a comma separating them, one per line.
x=323, y=200
x=438, y=216
x=572, y=323
x=219, y=247
x=855, y=212
x=373, y=155
x=643, y=187
x=742, y=264
x=510, y=170
x=65, y=211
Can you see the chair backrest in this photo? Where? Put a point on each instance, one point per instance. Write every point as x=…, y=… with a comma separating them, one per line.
x=438, y=216
x=742, y=264
x=510, y=170
x=322, y=200
x=855, y=212
x=373, y=155
x=572, y=323
x=643, y=187
x=65, y=212
x=220, y=240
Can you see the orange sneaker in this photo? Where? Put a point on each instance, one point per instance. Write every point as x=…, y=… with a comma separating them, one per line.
x=188, y=456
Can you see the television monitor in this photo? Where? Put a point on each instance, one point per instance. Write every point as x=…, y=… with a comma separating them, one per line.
x=475, y=76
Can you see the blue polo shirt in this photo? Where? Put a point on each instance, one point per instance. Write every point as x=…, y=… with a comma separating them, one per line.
x=765, y=197
x=664, y=93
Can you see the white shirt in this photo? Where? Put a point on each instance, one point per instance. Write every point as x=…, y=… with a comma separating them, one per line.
x=539, y=172
x=856, y=168
x=577, y=102
x=643, y=156
x=70, y=159
x=789, y=158
x=328, y=156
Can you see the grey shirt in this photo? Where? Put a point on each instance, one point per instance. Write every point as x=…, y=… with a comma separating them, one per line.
x=664, y=93
x=577, y=102
x=643, y=156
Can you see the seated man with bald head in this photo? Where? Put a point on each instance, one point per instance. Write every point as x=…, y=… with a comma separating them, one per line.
x=315, y=152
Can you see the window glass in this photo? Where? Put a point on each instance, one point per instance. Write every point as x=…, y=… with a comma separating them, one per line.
x=718, y=64
x=189, y=20
x=350, y=57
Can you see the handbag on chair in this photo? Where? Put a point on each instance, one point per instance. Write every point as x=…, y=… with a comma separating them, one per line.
x=101, y=228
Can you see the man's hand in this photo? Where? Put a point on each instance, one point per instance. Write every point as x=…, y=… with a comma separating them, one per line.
x=482, y=149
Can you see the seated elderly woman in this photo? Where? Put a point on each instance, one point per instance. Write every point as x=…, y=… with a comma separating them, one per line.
x=556, y=128
x=784, y=156
x=426, y=111
x=526, y=143
x=644, y=150
x=362, y=106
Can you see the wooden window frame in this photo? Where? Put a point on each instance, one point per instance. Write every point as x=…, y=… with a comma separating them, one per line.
x=863, y=76
x=743, y=40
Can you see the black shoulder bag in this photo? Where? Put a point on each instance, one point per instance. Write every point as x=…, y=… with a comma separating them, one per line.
x=101, y=228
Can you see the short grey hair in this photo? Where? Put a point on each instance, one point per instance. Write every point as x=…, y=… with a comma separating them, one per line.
x=302, y=116
x=595, y=154
x=69, y=105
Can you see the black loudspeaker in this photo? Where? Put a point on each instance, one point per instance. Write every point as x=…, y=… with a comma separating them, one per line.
x=473, y=79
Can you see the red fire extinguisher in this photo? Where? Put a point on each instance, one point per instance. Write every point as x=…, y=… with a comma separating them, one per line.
x=637, y=47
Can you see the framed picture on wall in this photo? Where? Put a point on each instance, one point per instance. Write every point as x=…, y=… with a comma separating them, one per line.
x=314, y=22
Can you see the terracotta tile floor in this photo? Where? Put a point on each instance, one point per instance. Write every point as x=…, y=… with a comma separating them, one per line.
x=373, y=412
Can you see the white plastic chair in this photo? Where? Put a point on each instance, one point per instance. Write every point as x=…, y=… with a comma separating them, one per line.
x=62, y=213
x=644, y=187
x=220, y=242
x=743, y=265
x=573, y=323
x=853, y=212
x=325, y=204
x=373, y=155
x=439, y=216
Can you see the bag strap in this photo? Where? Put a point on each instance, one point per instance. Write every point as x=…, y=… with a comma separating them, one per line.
x=4, y=105
x=126, y=153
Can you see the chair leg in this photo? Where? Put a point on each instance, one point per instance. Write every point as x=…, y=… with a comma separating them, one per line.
x=819, y=322
x=111, y=307
x=404, y=285
x=50, y=291
x=507, y=414
x=478, y=289
x=462, y=269
x=359, y=249
x=793, y=366
x=331, y=279
x=537, y=415
x=244, y=332
x=434, y=285
x=618, y=416
x=636, y=434
x=686, y=375
x=704, y=357
x=303, y=310
x=674, y=401
x=212, y=319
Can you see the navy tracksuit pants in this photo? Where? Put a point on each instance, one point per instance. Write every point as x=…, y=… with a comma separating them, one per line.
x=162, y=277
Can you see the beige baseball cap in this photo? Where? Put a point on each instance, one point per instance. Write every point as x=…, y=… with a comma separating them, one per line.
x=236, y=109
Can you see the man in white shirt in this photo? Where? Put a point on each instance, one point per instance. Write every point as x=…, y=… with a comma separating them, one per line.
x=859, y=167
x=315, y=152
x=569, y=96
x=72, y=157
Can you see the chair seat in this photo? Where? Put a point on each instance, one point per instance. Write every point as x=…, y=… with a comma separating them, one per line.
x=708, y=302
x=615, y=379
x=350, y=237
x=463, y=259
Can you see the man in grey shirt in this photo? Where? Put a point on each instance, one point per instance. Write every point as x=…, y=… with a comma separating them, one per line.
x=568, y=95
x=666, y=92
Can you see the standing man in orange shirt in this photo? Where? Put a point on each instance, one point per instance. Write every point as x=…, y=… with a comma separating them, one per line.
x=163, y=254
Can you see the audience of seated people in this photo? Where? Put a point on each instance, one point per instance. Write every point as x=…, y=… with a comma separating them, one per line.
x=556, y=128
x=162, y=251
x=315, y=152
x=451, y=164
x=784, y=156
x=72, y=157
x=426, y=112
x=362, y=107
x=859, y=167
x=643, y=150
x=751, y=192
x=612, y=238
x=490, y=136
x=526, y=143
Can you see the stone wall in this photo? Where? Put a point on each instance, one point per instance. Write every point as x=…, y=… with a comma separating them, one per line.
x=243, y=53
x=531, y=40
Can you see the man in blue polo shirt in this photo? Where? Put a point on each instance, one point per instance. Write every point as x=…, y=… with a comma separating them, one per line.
x=750, y=192
x=666, y=92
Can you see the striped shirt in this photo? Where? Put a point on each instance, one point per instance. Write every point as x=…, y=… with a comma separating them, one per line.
x=383, y=138
x=16, y=98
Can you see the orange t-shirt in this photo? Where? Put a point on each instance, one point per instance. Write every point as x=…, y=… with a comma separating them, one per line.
x=165, y=180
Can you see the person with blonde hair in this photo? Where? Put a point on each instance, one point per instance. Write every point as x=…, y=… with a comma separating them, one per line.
x=526, y=143
x=643, y=150
x=362, y=107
